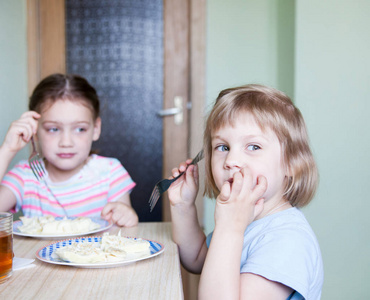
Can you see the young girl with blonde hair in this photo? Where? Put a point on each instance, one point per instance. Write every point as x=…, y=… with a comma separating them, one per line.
x=261, y=171
x=64, y=117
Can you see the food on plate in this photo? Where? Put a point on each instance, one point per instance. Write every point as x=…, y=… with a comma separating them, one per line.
x=112, y=248
x=119, y=243
x=85, y=253
x=48, y=225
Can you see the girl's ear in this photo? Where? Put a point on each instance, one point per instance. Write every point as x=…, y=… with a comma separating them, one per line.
x=97, y=129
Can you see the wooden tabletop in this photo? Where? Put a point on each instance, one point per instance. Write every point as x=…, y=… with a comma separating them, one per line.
x=158, y=277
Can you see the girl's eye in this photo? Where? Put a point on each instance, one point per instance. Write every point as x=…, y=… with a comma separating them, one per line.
x=53, y=129
x=253, y=147
x=80, y=129
x=222, y=148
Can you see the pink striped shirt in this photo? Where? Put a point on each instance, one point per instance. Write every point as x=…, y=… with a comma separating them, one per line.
x=100, y=181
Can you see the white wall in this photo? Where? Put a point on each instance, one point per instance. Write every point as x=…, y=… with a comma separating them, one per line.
x=13, y=65
x=329, y=79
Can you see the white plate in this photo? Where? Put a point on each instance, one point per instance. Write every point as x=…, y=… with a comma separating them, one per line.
x=104, y=225
x=46, y=254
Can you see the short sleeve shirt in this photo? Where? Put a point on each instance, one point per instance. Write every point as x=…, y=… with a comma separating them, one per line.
x=100, y=181
x=283, y=248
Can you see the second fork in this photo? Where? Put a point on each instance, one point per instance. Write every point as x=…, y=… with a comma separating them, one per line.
x=164, y=184
x=35, y=163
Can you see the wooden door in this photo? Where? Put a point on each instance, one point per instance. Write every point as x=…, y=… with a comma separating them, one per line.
x=184, y=51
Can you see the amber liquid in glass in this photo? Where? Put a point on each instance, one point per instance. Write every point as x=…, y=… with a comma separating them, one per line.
x=6, y=255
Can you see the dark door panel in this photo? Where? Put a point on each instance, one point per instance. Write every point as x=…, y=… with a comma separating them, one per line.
x=118, y=46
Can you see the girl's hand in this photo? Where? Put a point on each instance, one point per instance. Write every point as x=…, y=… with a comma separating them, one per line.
x=20, y=132
x=239, y=203
x=184, y=190
x=120, y=213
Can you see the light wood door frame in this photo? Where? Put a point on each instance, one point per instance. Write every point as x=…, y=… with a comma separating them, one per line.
x=46, y=39
x=176, y=14
x=184, y=76
x=184, y=48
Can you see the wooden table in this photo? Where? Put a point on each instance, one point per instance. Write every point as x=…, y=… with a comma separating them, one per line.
x=155, y=278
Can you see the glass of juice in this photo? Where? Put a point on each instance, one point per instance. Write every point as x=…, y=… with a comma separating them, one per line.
x=6, y=245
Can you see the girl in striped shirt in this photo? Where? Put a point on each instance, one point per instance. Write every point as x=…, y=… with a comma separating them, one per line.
x=64, y=118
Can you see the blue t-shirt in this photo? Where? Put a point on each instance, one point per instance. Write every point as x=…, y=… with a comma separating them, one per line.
x=282, y=247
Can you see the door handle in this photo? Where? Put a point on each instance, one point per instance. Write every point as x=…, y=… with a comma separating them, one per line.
x=176, y=111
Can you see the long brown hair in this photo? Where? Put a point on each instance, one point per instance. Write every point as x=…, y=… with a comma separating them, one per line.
x=58, y=87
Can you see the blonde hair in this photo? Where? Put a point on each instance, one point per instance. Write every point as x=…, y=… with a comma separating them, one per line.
x=274, y=110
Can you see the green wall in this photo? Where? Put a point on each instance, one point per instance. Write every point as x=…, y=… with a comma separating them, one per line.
x=13, y=65
x=333, y=92
x=318, y=53
x=249, y=41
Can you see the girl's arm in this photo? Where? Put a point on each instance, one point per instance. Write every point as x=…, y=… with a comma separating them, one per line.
x=236, y=207
x=17, y=137
x=257, y=287
x=221, y=278
x=7, y=199
x=186, y=231
x=6, y=158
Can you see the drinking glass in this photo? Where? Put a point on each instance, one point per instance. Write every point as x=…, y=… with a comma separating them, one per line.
x=6, y=245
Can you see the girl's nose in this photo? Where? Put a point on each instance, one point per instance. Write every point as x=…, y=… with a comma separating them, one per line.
x=233, y=160
x=66, y=140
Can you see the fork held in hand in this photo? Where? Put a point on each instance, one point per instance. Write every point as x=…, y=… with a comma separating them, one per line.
x=35, y=164
x=164, y=184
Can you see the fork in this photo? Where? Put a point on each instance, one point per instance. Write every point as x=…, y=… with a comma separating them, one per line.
x=35, y=164
x=164, y=184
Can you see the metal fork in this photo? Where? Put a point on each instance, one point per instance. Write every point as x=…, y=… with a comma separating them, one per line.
x=164, y=184
x=35, y=164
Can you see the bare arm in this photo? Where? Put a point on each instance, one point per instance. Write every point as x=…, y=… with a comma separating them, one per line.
x=186, y=231
x=257, y=287
x=189, y=237
x=7, y=199
x=17, y=137
x=236, y=207
x=221, y=278
x=6, y=159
